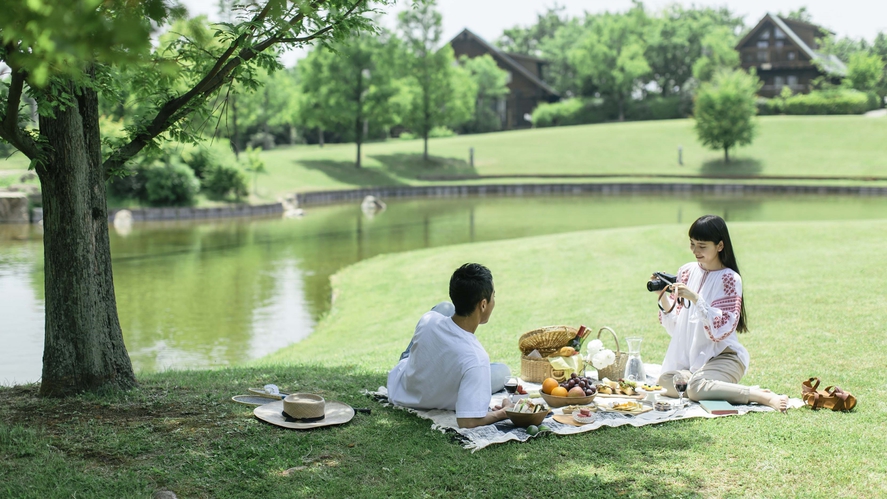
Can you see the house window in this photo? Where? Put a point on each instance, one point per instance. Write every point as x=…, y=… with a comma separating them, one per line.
x=508, y=77
x=762, y=44
x=765, y=35
x=792, y=81
x=779, y=44
x=762, y=56
x=778, y=81
x=779, y=33
x=791, y=55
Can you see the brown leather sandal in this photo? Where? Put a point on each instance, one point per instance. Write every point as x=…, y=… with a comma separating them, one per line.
x=832, y=397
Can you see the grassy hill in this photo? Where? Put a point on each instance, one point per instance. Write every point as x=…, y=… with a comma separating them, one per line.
x=785, y=145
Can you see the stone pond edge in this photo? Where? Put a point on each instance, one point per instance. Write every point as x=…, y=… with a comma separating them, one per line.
x=317, y=198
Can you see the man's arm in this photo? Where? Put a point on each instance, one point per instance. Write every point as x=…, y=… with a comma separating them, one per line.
x=494, y=416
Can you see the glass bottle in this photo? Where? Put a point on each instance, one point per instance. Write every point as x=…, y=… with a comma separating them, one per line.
x=634, y=367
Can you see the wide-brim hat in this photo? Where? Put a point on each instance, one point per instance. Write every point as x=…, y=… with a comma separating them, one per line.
x=304, y=411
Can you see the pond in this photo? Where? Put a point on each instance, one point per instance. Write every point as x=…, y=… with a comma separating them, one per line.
x=217, y=293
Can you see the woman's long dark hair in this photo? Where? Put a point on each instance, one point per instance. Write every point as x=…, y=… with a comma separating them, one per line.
x=713, y=228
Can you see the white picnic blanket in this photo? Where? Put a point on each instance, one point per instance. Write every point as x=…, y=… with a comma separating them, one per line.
x=504, y=431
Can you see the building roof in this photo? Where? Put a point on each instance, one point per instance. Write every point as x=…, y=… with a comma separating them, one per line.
x=508, y=61
x=829, y=62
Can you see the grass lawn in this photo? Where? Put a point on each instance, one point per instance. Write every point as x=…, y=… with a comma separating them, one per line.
x=815, y=307
x=785, y=146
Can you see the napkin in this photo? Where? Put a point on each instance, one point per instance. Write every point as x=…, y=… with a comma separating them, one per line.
x=572, y=364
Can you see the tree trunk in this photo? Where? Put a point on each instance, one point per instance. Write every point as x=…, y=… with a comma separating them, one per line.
x=236, y=141
x=84, y=347
x=358, y=119
x=621, y=108
x=320, y=137
x=726, y=155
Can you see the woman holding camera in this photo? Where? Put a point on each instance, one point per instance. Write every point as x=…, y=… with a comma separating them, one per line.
x=703, y=312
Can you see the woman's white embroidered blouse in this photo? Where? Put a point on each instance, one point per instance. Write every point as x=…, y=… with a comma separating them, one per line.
x=707, y=327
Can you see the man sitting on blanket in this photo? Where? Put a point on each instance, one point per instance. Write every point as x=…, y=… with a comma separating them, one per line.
x=445, y=366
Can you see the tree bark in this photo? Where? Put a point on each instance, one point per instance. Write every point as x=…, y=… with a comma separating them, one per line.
x=726, y=155
x=84, y=347
x=358, y=119
x=621, y=108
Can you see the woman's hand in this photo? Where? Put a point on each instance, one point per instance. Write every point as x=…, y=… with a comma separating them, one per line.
x=680, y=290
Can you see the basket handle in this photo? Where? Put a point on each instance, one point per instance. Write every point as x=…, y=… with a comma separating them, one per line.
x=618, y=350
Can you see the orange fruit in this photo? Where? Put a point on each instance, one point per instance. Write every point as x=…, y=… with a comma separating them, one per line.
x=548, y=385
x=559, y=392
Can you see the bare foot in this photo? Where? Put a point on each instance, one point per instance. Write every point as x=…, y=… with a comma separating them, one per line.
x=778, y=402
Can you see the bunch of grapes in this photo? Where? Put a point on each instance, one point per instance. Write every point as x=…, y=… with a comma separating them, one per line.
x=585, y=383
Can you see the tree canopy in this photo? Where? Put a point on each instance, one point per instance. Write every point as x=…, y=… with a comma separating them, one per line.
x=64, y=57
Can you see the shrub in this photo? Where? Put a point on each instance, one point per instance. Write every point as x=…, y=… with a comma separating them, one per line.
x=170, y=184
x=406, y=136
x=131, y=186
x=838, y=101
x=225, y=180
x=578, y=111
x=440, y=131
x=767, y=107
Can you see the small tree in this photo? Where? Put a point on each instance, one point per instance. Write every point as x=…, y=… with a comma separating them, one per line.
x=492, y=86
x=725, y=110
x=864, y=72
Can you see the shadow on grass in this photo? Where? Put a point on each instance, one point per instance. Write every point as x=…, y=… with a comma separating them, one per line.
x=139, y=434
x=736, y=167
x=347, y=173
x=413, y=166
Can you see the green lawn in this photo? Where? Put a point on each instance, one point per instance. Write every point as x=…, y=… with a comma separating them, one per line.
x=815, y=306
x=785, y=145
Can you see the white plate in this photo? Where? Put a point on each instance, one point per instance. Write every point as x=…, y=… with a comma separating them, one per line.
x=583, y=420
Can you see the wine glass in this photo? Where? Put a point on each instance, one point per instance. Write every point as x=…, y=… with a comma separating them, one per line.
x=680, y=384
x=511, y=387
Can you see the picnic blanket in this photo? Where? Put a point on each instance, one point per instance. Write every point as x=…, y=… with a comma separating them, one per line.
x=504, y=431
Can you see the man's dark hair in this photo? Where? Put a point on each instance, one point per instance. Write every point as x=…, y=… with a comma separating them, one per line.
x=470, y=284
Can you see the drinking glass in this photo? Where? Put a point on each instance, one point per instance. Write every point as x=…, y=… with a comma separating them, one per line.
x=511, y=387
x=680, y=384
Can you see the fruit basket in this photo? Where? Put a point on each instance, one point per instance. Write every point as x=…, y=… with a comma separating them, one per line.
x=553, y=401
x=546, y=340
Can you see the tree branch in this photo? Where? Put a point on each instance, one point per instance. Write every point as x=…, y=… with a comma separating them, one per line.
x=9, y=128
x=177, y=108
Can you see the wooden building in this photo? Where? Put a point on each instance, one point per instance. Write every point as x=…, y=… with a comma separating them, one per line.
x=526, y=79
x=784, y=52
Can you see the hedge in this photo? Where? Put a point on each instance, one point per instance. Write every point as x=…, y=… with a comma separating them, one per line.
x=819, y=102
x=582, y=111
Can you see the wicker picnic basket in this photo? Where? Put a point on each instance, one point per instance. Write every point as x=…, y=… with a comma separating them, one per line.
x=546, y=340
x=617, y=369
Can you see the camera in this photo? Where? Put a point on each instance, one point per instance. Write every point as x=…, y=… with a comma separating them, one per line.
x=661, y=282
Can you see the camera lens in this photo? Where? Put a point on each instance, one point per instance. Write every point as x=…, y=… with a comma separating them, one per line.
x=656, y=285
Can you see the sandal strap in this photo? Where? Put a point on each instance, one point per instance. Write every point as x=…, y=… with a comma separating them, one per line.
x=809, y=385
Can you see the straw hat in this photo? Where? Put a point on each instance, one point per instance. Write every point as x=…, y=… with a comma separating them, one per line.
x=303, y=411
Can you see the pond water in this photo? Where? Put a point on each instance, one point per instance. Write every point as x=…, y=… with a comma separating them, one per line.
x=215, y=293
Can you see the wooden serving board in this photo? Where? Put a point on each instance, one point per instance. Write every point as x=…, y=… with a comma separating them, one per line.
x=567, y=419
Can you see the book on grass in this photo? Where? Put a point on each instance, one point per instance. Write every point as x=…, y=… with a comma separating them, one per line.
x=718, y=407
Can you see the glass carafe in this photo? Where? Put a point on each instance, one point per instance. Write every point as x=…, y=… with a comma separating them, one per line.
x=634, y=367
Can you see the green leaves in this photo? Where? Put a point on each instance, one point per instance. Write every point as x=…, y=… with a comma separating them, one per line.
x=725, y=110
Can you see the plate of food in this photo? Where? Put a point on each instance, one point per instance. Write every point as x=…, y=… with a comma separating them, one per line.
x=650, y=391
x=584, y=416
x=620, y=389
x=632, y=407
